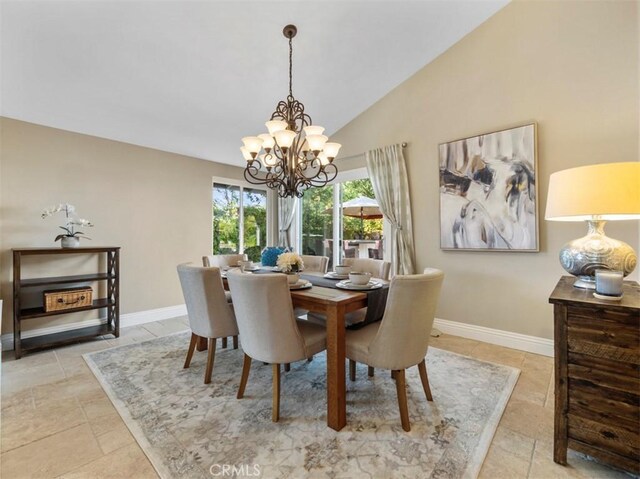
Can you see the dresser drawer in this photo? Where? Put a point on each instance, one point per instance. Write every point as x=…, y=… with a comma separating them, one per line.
x=608, y=335
x=590, y=398
x=605, y=436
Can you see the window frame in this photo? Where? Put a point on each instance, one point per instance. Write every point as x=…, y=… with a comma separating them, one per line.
x=242, y=185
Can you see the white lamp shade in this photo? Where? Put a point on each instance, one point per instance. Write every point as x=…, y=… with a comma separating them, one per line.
x=267, y=140
x=245, y=153
x=331, y=149
x=285, y=138
x=609, y=191
x=323, y=158
x=316, y=142
x=252, y=143
x=313, y=130
x=275, y=125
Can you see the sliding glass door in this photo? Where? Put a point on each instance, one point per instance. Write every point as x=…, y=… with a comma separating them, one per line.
x=352, y=228
x=317, y=222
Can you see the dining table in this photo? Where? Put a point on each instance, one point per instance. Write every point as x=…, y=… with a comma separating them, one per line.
x=334, y=304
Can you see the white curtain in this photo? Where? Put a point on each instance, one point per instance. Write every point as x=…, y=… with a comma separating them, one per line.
x=388, y=174
x=286, y=213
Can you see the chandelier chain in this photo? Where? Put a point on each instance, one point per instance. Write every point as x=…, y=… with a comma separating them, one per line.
x=290, y=66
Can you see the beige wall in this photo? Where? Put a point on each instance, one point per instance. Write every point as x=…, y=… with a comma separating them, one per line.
x=570, y=66
x=155, y=205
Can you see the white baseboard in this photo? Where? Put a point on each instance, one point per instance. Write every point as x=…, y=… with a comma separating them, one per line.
x=142, y=317
x=531, y=344
x=126, y=320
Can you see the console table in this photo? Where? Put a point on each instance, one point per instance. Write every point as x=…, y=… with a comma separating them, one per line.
x=111, y=303
x=597, y=375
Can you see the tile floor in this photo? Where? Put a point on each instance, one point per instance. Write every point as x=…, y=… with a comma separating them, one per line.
x=58, y=422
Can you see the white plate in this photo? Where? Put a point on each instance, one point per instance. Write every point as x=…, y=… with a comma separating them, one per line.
x=604, y=297
x=358, y=287
x=301, y=284
x=253, y=268
x=334, y=275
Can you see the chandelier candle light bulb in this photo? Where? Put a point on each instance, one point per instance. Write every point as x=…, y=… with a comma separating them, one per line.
x=297, y=155
x=253, y=144
x=267, y=141
x=313, y=130
x=284, y=138
x=275, y=125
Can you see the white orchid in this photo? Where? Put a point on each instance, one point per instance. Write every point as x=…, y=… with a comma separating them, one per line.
x=71, y=220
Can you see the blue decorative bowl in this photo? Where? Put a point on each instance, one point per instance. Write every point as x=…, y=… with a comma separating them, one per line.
x=270, y=255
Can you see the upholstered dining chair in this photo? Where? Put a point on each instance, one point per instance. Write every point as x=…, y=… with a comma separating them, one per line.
x=223, y=260
x=377, y=267
x=401, y=339
x=270, y=332
x=210, y=314
x=316, y=264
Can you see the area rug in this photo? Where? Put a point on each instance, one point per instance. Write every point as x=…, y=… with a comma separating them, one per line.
x=192, y=430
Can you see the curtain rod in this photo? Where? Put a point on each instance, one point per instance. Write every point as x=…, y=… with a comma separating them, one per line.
x=404, y=145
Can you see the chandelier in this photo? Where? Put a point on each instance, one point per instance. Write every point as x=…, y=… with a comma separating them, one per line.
x=284, y=159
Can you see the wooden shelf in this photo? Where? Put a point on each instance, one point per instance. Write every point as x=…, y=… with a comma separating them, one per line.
x=110, y=303
x=54, y=250
x=39, y=312
x=78, y=278
x=66, y=337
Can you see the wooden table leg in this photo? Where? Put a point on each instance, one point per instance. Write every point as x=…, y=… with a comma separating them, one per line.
x=201, y=345
x=336, y=381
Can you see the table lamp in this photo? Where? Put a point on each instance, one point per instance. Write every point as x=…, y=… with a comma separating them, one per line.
x=595, y=194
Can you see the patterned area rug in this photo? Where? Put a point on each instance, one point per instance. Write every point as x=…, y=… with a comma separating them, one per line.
x=192, y=430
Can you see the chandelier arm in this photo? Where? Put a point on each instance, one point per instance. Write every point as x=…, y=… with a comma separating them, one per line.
x=251, y=172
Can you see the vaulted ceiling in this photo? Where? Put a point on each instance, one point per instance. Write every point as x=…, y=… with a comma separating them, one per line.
x=194, y=77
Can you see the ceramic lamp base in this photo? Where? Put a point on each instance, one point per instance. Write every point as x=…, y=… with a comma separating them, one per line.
x=583, y=256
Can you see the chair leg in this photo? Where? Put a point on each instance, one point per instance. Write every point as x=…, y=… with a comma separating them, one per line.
x=235, y=342
x=352, y=370
x=402, y=400
x=246, y=366
x=422, y=367
x=224, y=343
x=192, y=347
x=275, y=411
x=287, y=367
x=210, y=359
x=370, y=371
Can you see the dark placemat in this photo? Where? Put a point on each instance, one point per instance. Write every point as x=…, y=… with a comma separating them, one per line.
x=376, y=298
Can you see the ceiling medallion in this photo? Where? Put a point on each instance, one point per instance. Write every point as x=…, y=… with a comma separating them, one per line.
x=285, y=159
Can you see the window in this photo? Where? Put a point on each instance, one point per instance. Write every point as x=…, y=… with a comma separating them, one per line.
x=239, y=219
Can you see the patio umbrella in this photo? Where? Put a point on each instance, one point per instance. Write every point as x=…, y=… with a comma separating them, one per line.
x=361, y=207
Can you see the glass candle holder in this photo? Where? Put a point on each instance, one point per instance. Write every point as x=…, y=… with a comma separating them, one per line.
x=609, y=282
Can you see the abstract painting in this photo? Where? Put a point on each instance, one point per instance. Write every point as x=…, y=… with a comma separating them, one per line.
x=488, y=192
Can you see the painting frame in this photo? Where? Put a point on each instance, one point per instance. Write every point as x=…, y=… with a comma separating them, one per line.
x=519, y=232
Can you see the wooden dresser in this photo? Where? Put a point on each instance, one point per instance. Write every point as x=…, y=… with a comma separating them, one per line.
x=597, y=375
